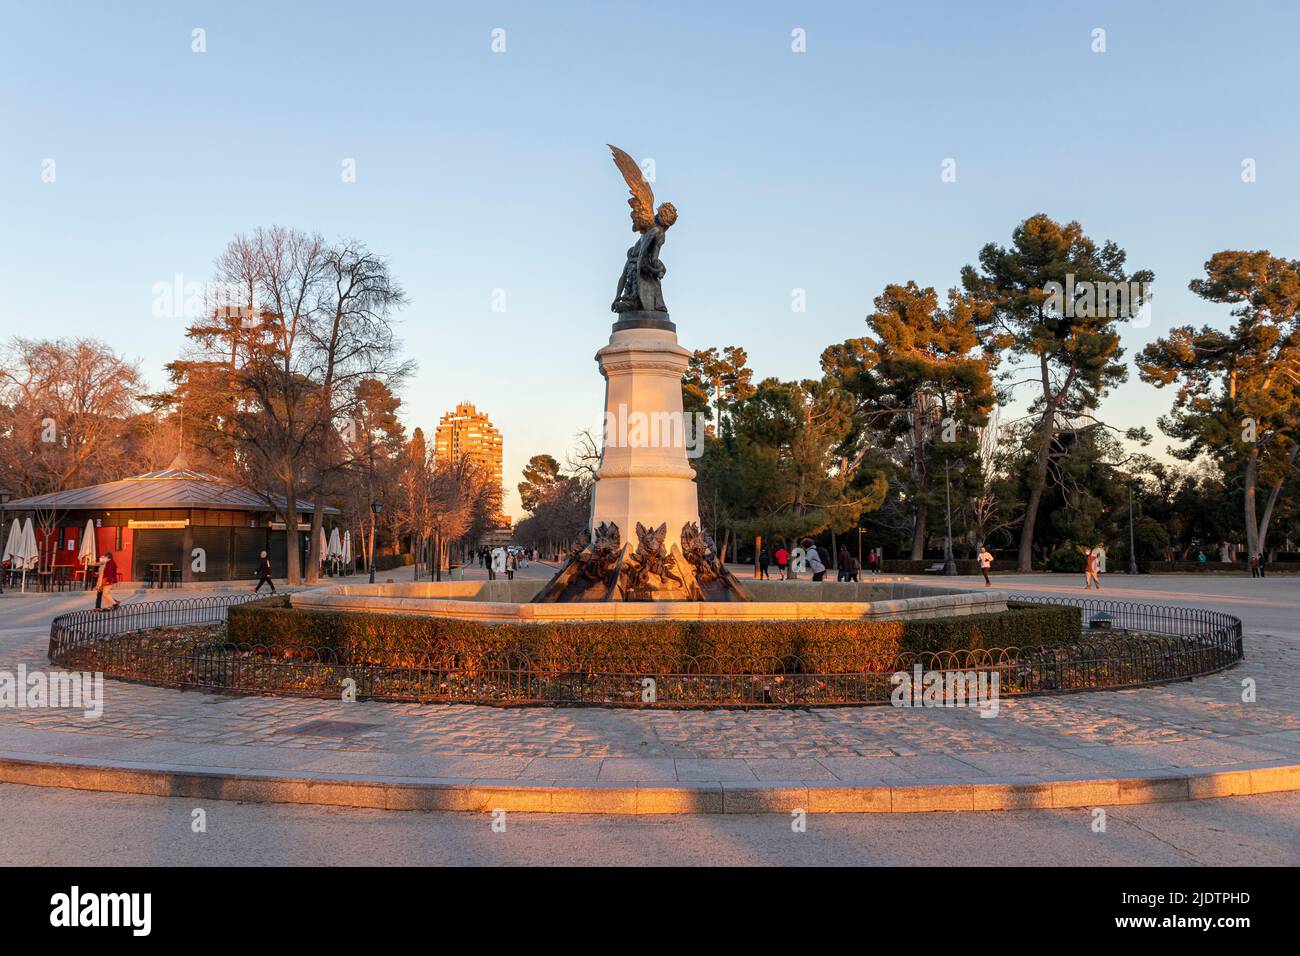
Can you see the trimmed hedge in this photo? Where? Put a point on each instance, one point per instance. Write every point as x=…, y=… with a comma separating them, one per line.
x=819, y=646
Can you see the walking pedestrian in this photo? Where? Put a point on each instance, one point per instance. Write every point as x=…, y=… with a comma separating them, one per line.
x=764, y=562
x=843, y=565
x=782, y=561
x=873, y=560
x=264, y=573
x=105, y=601
x=815, y=563
x=1090, y=565
x=99, y=581
x=986, y=561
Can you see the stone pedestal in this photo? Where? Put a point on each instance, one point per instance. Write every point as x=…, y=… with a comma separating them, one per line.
x=644, y=478
x=644, y=474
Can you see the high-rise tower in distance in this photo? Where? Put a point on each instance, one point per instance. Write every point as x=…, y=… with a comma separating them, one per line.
x=468, y=433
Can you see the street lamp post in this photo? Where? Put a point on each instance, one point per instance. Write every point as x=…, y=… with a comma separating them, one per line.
x=436, y=557
x=1132, y=552
x=375, y=508
x=861, y=532
x=4, y=500
x=949, y=564
x=1132, y=547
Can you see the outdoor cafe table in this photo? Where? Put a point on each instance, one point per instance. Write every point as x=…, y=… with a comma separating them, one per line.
x=159, y=575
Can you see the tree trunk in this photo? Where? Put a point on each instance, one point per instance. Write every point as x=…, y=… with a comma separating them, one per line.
x=292, y=571
x=919, y=532
x=1268, y=516
x=1025, y=557
x=1252, y=520
x=314, y=557
x=1046, y=428
x=1273, y=495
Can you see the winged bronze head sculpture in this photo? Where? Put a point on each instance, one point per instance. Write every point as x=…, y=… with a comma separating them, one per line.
x=639, y=286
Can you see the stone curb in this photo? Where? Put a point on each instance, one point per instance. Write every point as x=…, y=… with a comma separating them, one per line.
x=484, y=795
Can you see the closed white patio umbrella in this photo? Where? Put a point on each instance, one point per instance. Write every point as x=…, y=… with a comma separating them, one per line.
x=347, y=550
x=334, y=551
x=27, y=554
x=86, y=553
x=11, y=542
x=324, y=546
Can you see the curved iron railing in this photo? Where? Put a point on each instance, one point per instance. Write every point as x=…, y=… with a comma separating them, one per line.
x=1121, y=645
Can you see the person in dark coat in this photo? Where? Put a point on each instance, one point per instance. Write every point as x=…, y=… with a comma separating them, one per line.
x=764, y=562
x=264, y=574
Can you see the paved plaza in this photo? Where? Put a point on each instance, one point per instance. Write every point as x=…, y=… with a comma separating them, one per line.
x=60, y=827
x=1201, y=726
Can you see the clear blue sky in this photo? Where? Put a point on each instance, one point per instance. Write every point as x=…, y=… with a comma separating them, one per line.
x=479, y=171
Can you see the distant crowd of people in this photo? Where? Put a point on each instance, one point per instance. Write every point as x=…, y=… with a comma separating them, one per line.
x=505, y=560
x=1257, y=563
x=847, y=566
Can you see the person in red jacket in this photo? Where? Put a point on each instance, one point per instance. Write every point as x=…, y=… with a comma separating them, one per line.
x=782, y=560
x=107, y=578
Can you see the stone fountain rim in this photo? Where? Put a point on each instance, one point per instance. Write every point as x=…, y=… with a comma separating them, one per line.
x=354, y=598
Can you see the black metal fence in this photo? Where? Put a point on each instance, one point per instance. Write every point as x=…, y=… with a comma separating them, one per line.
x=1121, y=645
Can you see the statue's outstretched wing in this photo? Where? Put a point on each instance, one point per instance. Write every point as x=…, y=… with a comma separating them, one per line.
x=643, y=197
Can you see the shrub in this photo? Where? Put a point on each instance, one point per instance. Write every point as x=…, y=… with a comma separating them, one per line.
x=1065, y=559
x=387, y=562
x=641, y=646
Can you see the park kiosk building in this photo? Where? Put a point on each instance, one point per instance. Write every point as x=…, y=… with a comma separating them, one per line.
x=163, y=516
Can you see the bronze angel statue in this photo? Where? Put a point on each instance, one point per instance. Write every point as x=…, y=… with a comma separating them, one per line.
x=639, y=288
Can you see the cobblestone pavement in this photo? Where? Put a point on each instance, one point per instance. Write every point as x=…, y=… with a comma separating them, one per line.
x=1202, y=723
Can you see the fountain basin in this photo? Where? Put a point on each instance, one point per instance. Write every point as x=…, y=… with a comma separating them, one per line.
x=891, y=599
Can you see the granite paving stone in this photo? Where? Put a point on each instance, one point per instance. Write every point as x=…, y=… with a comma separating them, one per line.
x=1200, y=724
